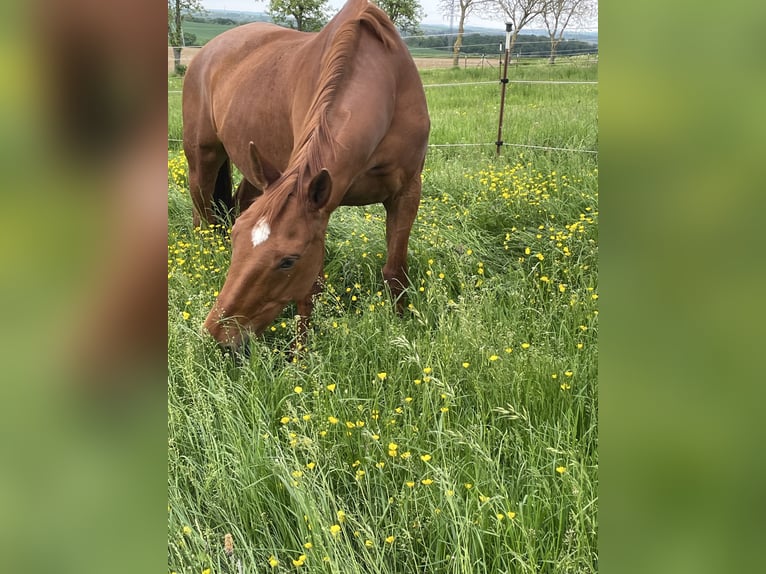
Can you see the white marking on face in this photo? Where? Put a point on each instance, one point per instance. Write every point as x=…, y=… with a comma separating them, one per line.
x=260, y=232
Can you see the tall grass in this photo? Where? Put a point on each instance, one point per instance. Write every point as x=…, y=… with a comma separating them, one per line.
x=460, y=437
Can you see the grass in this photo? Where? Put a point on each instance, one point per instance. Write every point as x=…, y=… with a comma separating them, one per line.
x=461, y=437
x=206, y=31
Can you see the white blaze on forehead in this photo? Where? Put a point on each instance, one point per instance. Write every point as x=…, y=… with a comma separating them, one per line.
x=260, y=232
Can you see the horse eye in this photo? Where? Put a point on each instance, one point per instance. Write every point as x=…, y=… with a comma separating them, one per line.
x=287, y=262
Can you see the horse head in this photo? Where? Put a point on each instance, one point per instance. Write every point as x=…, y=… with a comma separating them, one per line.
x=278, y=248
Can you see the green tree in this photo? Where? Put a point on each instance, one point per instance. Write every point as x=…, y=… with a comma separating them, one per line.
x=466, y=7
x=558, y=14
x=519, y=13
x=405, y=14
x=177, y=11
x=303, y=15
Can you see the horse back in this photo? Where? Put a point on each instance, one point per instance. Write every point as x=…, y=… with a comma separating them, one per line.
x=232, y=88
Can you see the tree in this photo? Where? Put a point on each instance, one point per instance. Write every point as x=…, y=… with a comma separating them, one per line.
x=303, y=15
x=405, y=14
x=177, y=10
x=558, y=14
x=519, y=13
x=466, y=8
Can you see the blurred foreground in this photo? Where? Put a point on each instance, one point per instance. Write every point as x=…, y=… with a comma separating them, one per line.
x=82, y=284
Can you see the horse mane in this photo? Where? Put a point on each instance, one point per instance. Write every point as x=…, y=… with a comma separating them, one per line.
x=315, y=140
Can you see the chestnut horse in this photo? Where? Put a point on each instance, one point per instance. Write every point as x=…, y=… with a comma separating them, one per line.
x=313, y=121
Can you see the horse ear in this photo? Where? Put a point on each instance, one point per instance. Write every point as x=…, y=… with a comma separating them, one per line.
x=320, y=189
x=265, y=173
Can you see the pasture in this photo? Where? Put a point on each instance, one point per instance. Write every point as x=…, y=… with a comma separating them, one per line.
x=458, y=438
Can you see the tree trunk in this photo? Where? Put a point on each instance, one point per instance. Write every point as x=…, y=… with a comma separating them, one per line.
x=513, y=43
x=179, y=31
x=179, y=37
x=554, y=45
x=458, y=40
x=176, y=57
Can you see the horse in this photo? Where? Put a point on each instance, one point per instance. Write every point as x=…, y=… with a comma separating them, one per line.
x=313, y=121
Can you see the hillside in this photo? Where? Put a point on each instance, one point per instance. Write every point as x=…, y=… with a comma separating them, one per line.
x=213, y=22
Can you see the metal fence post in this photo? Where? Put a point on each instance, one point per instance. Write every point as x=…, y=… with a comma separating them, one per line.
x=504, y=83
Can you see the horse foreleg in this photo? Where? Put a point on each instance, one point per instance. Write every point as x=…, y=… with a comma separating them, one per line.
x=245, y=195
x=401, y=211
x=305, y=308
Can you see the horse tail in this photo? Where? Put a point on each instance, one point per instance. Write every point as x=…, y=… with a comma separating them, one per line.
x=222, y=193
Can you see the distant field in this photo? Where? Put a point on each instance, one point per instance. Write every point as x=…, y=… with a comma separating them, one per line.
x=205, y=31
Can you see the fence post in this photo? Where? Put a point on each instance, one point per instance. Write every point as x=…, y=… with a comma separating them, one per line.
x=500, y=62
x=504, y=83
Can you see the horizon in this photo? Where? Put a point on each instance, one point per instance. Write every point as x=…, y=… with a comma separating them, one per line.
x=432, y=16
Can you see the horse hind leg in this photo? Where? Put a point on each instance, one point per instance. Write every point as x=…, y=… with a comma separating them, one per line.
x=209, y=173
x=401, y=211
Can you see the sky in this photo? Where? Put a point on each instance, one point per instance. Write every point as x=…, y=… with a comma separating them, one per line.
x=430, y=7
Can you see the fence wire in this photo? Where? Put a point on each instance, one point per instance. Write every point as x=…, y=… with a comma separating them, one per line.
x=489, y=82
x=528, y=146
